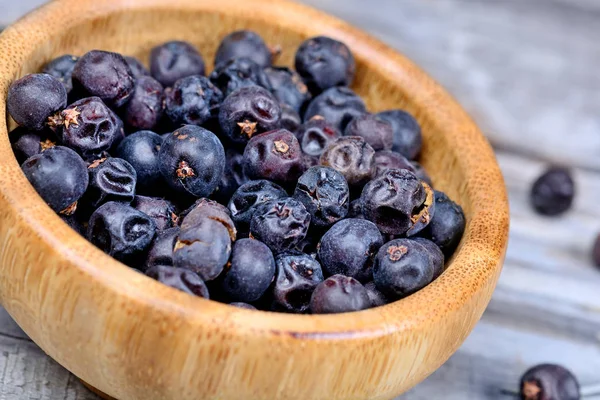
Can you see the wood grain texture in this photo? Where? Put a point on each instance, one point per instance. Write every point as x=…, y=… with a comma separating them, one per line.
x=136, y=339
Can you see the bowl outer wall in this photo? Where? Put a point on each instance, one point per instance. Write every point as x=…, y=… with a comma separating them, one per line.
x=133, y=338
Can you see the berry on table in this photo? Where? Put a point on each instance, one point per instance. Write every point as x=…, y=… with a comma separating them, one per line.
x=553, y=192
x=174, y=60
x=296, y=278
x=180, y=279
x=549, y=382
x=339, y=294
x=337, y=105
x=244, y=44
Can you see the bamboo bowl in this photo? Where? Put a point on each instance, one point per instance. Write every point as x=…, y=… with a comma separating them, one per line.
x=133, y=338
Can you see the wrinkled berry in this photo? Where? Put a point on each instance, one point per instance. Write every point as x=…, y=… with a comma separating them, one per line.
x=377, y=132
x=162, y=211
x=375, y=296
x=175, y=60
x=316, y=135
x=59, y=176
x=325, y=194
x=280, y=224
x=106, y=75
x=324, y=62
x=421, y=173
x=447, y=225
x=553, y=192
x=120, y=230
x=111, y=179
x=205, y=208
x=192, y=100
x=180, y=279
x=34, y=98
x=141, y=151
x=238, y=73
x=26, y=143
x=339, y=294
x=401, y=268
x=549, y=382
x=348, y=248
x=398, y=202
x=407, y=132
x=249, y=196
x=192, y=160
x=241, y=44
x=249, y=111
x=290, y=119
x=337, y=105
x=62, y=68
x=385, y=160
x=145, y=108
x=161, y=250
x=274, y=155
x=296, y=278
x=352, y=157
x=287, y=87
x=239, y=304
x=138, y=69
x=435, y=253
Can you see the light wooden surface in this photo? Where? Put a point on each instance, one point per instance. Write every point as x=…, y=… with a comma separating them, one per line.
x=527, y=72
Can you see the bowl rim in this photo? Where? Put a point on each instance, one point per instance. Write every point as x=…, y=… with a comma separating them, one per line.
x=449, y=293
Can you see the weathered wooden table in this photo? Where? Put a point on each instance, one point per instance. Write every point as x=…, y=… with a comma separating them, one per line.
x=527, y=71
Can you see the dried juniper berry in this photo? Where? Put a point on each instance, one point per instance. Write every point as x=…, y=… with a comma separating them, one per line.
x=421, y=173
x=174, y=60
x=138, y=69
x=192, y=160
x=208, y=209
x=553, y=192
x=141, y=150
x=251, y=271
x=248, y=111
x=180, y=279
x=325, y=194
x=352, y=157
x=160, y=252
x=406, y=131
x=435, y=253
x=233, y=177
x=238, y=73
x=296, y=278
x=192, y=100
x=244, y=44
x=145, y=109
x=355, y=209
x=290, y=119
x=162, y=211
x=337, y=105
x=120, y=230
x=402, y=267
x=375, y=296
x=239, y=304
x=60, y=177
x=26, y=143
x=287, y=87
x=32, y=99
x=280, y=224
x=249, y=196
x=90, y=127
x=316, y=135
x=398, y=202
x=274, y=155
x=339, y=294
x=62, y=68
x=376, y=131
x=106, y=75
x=385, y=160
x=348, y=248
x=549, y=382
x=324, y=62
x=110, y=179
x=447, y=225
x=203, y=248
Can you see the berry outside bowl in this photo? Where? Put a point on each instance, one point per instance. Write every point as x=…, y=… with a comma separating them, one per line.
x=132, y=338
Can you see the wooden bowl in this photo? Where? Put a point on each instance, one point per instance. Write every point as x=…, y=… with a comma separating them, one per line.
x=133, y=338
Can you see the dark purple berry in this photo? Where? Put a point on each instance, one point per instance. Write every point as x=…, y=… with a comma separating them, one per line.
x=106, y=75
x=447, y=225
x=290, y=119
x=59, y=176
x=375, y=296
x=352, y=157
x=355, y=209
x=385, y=160
x=238, y=73
x=161, y=250
x=437, y=257
x=287, y=87
x=398, y=202
x=241, y=44
x=377, y=132
x=402, y=267
x=553, y=192
x=337, y=105
x=26, y=143
x=192, y=100
x=249, y=196
x=111, y=179
x=232, y=178
x=192, y=160
x=348, y=248
x=62, y=68
x=205, y=208
x=251, y=271
x=180, y=279
x=175, y=60
x=296, y=278
x=120, y=230
x=138, y=69
x=274, y=155
x=339, y=294
x=325, y=194
x=239, y=304
x=549, y=382
x=141, y=151
x=162, y=211
x=34, y=98
x=145, y=108
x=421, y=173
x=407, y=132
x=249, y=111
x=316, y=135
x=280, y=224
x=324, y=62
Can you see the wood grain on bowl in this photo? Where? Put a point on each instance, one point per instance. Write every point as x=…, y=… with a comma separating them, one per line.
x=133, y=338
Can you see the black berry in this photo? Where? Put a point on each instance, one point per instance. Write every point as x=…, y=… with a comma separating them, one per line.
x=316, y=135
x=339, y=294
x=290, y=119
x=375, y=296
x=175, y=60
x=287, y=87
x=385, y=160
x=447, y=225
x=376, y=131
x=62, y=68
x=352, y=157
x=549, y=382
x=238, y=73
x=435, y=253
x=180, y=279
x=110, y=179
x=296, y=278
x=162, y=211
x=192, y=100
x=26, y=143
x=145, y=108
x=249, y=196
x=208, y=209
x=553, y=192
x=407, y=132
x=141, y=151
x=244, y=44
x=337, y=105
x=160, y=252
x=138, y=69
